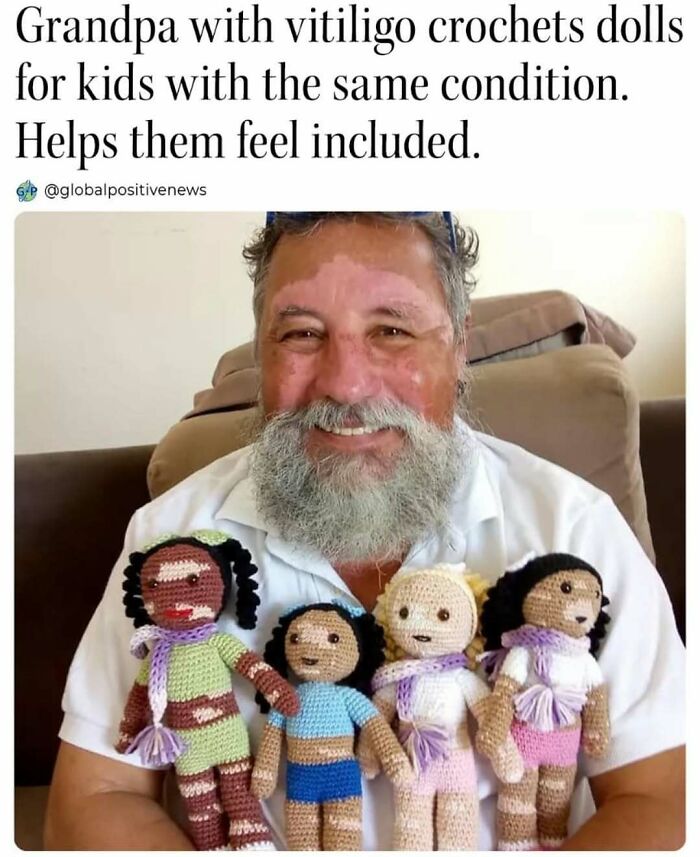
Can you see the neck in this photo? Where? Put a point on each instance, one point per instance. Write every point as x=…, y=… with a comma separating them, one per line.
x=366, y=580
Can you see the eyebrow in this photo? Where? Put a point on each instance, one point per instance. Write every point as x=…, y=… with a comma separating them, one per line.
x=294, y=310
x=399, y=311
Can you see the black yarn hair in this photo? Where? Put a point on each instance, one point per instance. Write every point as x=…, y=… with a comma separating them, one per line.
x=370, y=643
x=231, y=558
x=503, y=609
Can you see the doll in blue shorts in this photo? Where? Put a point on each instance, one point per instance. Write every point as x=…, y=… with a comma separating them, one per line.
x=334, y=649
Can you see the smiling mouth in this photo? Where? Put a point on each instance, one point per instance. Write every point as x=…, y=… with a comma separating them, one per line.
x=309, y=662
x=422, y=638
x=350, y=432
x=173, y=613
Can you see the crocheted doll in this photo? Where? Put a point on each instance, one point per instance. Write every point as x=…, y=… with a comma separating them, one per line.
x=430, y=618
x=334, y=649
x=181, y=707
x=543, y=625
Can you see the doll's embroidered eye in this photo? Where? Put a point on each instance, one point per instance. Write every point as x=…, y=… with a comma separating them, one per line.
x=152, y=584
x=597, y=593
x=566, y=587
x=192, y=579
x=443, y=614
x=403, y=612
x=333, y=638
x=294, y=639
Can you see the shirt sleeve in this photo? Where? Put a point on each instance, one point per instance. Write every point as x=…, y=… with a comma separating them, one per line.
x=642, y=658
x=103, y=670
x=276, y=719
x=359, y=707
x=517, y=664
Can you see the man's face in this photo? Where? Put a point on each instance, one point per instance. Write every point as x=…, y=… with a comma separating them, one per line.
x=359, y=454
x=356, y=313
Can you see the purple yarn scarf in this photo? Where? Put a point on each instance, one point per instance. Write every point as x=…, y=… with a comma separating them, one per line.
x=424, y=743
x=156, y=743
x=543, y=705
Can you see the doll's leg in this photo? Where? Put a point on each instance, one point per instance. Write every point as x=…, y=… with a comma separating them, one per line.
x=553, y=804
x=516, y=819
x=342, y=825
x=248, y=828
x=303, y=826
x=207, y=823
x=413, y=825
x=457, y=813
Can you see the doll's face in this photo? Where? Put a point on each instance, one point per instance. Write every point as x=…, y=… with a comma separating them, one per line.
x=567, y=601
x=430, y=615
x=321, y=646
x=181, y=587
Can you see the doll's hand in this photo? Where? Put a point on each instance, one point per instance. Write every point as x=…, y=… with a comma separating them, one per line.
x=262, y=782
x=595, y=744
x=490, y=738
x=123, y=742
x=507, y=763
x=399, y=769
x=369, y=763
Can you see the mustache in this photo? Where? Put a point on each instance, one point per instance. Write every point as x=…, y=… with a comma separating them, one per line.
x=330, y=416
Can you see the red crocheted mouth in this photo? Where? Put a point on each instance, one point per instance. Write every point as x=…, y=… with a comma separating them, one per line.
x=172, y=613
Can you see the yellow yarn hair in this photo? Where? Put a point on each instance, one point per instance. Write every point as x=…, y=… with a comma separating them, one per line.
x=471, y=583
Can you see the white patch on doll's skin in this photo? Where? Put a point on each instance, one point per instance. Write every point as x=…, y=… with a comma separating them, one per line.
x=581, y=607
x=315, y=634
x=149, y=606
x=199, y=611
x=206, y=713
x=541, y=594
x=180, y=570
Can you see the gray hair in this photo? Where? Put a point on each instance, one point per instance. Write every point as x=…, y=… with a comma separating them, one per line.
x=453, y=265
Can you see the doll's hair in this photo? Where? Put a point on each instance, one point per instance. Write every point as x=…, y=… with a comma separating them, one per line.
x=473, y=582
x=368, y=634
x=230, y=557
x=503, y=610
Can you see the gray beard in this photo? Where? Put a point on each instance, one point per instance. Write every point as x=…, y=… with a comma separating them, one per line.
x=357, y=507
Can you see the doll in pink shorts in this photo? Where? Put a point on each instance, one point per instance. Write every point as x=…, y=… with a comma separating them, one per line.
x=427, y=692
x=543, y=624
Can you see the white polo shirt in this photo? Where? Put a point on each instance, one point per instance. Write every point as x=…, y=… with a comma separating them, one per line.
x=508, y=503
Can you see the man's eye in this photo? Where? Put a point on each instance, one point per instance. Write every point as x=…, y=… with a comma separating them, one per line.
x=392, y=332
x=193, y=579
x=152, y=584
x=301, y=334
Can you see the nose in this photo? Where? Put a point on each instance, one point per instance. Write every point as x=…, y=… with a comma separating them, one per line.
x=581, y=619
x=347, y=373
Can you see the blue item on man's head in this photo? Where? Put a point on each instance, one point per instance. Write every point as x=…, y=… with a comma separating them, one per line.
x=303, y=215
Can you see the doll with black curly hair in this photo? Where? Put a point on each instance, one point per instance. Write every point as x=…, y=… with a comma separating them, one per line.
x=334, y=649
x=181, y=708
x=543, y=624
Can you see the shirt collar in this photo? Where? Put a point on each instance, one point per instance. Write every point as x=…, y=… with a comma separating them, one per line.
x=475, y=501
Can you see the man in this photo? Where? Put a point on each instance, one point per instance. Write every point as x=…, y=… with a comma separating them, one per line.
x=361, y=466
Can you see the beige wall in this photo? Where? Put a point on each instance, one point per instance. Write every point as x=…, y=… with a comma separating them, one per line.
x=120, y=318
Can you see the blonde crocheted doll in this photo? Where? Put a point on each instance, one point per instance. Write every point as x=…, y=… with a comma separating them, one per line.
x=543, y=624
x=430, y=619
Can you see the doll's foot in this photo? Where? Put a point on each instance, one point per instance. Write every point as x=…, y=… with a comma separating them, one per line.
x=519, y=845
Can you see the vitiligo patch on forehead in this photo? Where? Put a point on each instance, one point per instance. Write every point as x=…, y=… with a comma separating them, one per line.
x=372, y=289
x=180, y=569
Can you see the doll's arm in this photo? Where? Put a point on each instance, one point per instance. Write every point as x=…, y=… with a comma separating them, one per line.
x=276, y=690
x=136, y=710
x=385, y=702
x=506, y=760
x=496, y=724
x=388, y=751
x=595, y=723
x=267, y=762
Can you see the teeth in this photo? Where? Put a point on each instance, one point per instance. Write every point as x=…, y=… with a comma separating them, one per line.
x=350, y=432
